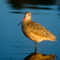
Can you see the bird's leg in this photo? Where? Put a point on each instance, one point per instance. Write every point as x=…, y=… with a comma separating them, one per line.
x=35, y=46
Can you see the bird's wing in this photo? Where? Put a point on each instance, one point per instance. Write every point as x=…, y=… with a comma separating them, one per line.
x=38, y=29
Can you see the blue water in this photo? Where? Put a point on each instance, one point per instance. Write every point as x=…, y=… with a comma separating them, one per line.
x=13, y=44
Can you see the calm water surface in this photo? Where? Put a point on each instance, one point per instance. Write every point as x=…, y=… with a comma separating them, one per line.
x=13, y=44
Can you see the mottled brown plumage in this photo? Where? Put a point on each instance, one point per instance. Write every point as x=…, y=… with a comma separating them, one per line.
x=35, y=31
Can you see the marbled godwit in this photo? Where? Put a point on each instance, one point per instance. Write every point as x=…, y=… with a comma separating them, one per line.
x=35, y=31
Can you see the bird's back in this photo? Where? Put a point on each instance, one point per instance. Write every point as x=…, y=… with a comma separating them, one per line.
x=36, y=32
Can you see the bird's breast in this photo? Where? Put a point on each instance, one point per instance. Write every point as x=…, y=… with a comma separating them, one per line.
x=26, y=28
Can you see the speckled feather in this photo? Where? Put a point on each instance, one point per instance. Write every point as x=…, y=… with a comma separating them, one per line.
x=36, y=32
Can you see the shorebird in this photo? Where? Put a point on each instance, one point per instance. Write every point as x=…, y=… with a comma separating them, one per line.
x=35, y=31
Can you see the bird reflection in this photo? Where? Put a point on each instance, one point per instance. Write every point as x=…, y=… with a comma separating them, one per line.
x=40, y=56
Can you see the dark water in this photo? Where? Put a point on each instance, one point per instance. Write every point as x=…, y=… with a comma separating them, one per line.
x=13, y=44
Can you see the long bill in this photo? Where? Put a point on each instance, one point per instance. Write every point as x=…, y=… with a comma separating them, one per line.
x=22, y=21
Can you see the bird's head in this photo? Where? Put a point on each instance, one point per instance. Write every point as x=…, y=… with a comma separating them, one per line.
x=26, y=18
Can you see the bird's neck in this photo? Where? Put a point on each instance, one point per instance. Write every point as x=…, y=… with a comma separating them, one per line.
x=27, y=20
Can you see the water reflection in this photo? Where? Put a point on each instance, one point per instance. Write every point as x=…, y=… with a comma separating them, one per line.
x=59, y=7
x=58, y=2
x=18, y=12
x=40, y=56
x=32, y=7
x=18, y=4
